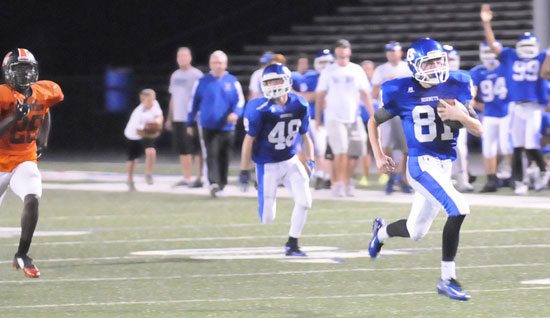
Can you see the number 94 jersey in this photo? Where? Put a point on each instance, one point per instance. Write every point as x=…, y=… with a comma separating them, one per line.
x=275, y=127
x=417, y=106
x=18, y=144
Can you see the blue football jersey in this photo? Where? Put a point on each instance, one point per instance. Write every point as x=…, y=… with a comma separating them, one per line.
x=491, y=90
x=275, y=127
x=417, y=106
x=522, y=75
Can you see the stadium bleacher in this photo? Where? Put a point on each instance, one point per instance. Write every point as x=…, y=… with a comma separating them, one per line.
x=369, y=24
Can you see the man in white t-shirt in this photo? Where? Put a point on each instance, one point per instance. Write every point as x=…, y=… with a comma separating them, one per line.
x=181, y=86
x=254, y=85
x=391, y=132
x=343, y=85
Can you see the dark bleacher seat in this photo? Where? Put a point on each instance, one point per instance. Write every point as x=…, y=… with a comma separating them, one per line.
x=369, y=24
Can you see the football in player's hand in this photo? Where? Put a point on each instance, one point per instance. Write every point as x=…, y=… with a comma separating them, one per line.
x=452, y=123
x=152, y=128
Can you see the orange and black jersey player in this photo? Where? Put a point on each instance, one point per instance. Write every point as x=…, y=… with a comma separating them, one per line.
x=18, y=143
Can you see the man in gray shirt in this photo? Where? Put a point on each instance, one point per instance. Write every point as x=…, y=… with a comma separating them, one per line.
x=187, y=146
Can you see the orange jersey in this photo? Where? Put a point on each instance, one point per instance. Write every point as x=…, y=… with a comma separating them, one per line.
x=19, y=143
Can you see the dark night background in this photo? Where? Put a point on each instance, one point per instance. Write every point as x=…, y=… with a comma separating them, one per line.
x=75, y=42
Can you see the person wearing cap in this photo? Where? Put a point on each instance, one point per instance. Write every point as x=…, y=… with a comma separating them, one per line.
x=391, y=132
x=254, y=86
x=343, y=85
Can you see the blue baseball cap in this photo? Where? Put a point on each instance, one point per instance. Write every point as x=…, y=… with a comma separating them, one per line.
x=393, y=46
x=266, y=58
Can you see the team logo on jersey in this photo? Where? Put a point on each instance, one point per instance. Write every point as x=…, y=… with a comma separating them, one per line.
x=429, y=99
x=227, y=87
x=411, y=90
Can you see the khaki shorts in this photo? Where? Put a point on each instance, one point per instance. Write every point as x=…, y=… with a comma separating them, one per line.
x=392, y=135
x=345, y=138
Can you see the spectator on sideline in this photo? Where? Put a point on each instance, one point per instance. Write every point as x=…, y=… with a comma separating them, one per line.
x=181, y=86
x=219, y=100
x=391, y=132
x=143, y=127
x=365, y=161
x=343, y=84
x=254, y=85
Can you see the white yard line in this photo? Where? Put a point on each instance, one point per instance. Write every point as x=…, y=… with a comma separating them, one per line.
x=257, y=237
x=246, y=299
x=278, y=273
x=109, y=258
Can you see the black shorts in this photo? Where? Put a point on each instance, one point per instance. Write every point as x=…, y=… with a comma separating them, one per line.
x=182, y=143
x=136, y=148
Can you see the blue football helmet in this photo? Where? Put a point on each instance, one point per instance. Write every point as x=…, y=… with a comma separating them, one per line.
x=322, y=59
x=527, y=46
x=453, y=57
x=275, y=72
x=487, y=56
x=428, y=61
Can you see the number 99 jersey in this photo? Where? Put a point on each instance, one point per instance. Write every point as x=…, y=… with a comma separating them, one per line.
x=522, y=75
x=275, y=127
x=19, y=143
x=425, y=132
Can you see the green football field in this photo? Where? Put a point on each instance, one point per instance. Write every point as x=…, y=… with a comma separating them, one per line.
x=117, y=254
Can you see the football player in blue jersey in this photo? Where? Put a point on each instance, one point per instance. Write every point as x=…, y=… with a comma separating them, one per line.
x=491, y=97
x=524, y=80
x=272, y=123
x=432, y=105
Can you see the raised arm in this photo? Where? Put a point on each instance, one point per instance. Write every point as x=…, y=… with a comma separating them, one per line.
x=486, y=17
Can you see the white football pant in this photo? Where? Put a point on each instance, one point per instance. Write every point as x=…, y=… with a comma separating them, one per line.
x=293, y=175
x=430, y=177
x=23, y=180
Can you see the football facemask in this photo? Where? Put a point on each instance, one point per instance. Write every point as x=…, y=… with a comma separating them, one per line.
x=432, y=69
x=276, y=73
x=20, y=69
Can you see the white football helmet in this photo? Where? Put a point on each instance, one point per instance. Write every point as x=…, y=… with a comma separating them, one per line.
x=487, y=56
x=322, y=59
x=527, y=46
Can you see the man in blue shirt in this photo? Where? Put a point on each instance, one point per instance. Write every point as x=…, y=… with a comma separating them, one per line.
x=525, y=80
x=272, y=124
x=219, y=100
x=432, y=105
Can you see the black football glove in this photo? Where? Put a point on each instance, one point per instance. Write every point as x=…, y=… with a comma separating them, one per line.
x=22, y=109
x=244, y=178
x=39, y=151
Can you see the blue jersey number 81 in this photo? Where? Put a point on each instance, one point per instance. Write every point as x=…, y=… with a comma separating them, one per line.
x=424, y=116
